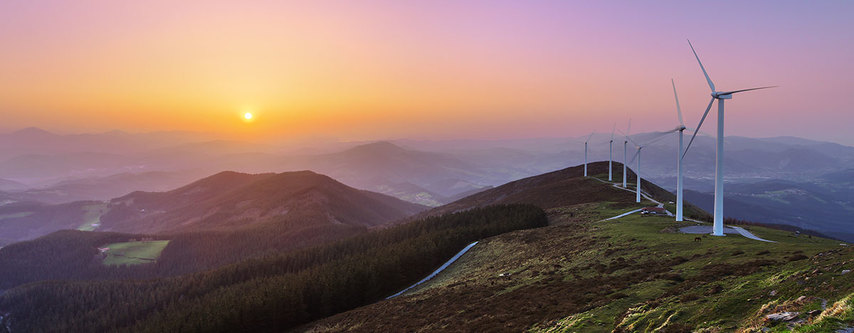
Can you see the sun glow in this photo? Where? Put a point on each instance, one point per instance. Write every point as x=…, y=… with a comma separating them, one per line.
x=248, y=117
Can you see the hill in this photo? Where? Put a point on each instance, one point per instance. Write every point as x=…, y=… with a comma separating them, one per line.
x=222, y=219
x=566, y=187
x=231, y=200
x=27, y=220
x=585, y=274
x=266, y=294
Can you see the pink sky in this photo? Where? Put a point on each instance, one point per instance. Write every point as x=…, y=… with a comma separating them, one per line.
x=433, y=69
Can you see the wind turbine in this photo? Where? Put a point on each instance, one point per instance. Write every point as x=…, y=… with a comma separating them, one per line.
x=610, y=150
x=637, y=169
x=585, y=152
x=681, y=128
x=720, y=96
x=625, y=159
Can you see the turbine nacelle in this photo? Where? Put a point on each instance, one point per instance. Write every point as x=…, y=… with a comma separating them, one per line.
x=722, y=95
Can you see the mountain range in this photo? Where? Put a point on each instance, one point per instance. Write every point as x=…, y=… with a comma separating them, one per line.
x=65, y=168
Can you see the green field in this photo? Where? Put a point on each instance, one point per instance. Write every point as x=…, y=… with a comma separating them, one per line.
x=134, y=253
x=92, y=216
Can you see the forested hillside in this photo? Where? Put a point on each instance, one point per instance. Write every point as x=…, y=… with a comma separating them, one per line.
x=264, y=294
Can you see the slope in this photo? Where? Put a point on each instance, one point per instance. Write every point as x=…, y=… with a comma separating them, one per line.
x=267, y=294
x=632, y=274
x=563, y=188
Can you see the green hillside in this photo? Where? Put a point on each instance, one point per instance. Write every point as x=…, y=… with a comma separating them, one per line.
x=633, y=274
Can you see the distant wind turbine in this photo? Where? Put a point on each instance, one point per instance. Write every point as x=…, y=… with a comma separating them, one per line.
x=720, y=96
x=681, y=128
x=585, y=152
x=637, y=169
x=625, y=160
x=610, y=155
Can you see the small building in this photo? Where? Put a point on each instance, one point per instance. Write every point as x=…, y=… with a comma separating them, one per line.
x=654, y=211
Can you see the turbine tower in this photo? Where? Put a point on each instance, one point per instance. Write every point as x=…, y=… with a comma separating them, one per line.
x=720, y=96
x=625, y=154
x=681, y=128
x=637, y=168
x=610, y=154
x=585, y=153
x=638, y=176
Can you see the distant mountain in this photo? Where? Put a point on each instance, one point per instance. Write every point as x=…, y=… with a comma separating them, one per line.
x=231, y=200
x=227, y=201
x=10, y=185
x=36, y=168
x=105, y=188
x=421, y=177
x=823, y=207
x=27, y=220
x=38, y=141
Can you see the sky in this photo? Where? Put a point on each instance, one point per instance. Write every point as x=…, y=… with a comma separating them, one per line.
x=363, y=70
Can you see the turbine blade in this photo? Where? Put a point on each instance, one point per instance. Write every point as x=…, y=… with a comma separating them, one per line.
x=613, y=130
x=698, y=127
x=678, y=109
x=711, y=85
x=743, y=90
x=629, y=130
x=632, y=141
x=637, y=151
x=589, y=136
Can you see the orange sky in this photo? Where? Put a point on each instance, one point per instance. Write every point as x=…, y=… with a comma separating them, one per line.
x=383, y=69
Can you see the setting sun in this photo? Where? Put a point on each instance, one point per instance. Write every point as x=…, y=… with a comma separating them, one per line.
x=247, y=116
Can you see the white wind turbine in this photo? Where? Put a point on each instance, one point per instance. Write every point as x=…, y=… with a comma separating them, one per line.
x=610, y=155
x=585, y=152
x=681, y=128
x=625, y=155
x=720, y=96
x=637, y=168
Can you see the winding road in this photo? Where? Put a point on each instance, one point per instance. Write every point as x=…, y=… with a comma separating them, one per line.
x=437, y=271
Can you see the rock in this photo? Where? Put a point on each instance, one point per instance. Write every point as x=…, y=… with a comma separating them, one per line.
x=773, y=293
x=782, y=316
x=846, y=271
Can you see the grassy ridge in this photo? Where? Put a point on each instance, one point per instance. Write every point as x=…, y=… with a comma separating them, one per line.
x=634, y=274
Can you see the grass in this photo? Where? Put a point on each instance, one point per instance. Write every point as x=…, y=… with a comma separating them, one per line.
x=134, y=253
x=633, y=274
x=92, y=216
x=723, y=285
